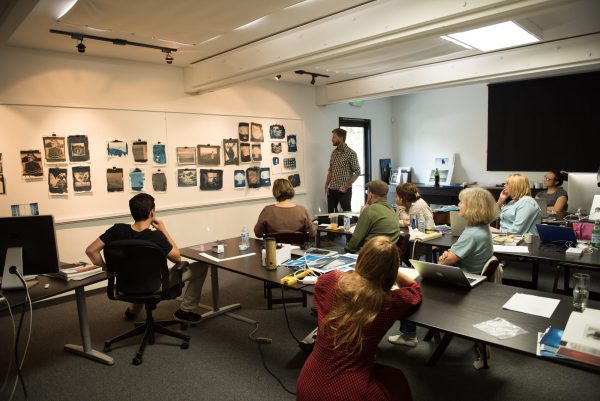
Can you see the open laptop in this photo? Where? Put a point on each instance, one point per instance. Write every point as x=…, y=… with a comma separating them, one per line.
x=457, y=223
x=557, y=234
x=446, y=274
x=543, y=204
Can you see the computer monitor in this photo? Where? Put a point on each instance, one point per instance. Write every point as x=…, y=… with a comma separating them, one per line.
x=581, y=190
x=29, y=243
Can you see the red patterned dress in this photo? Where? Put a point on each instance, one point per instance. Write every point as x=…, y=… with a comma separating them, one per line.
x=330, y=374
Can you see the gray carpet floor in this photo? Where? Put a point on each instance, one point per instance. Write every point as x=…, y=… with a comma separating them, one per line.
x=222, y=364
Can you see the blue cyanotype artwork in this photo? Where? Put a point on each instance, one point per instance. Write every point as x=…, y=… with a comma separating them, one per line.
x=265, y=177
x=117, y=149
x=136, y=178
x=187, y=177
x=159, y=153
x=292, y=143
x=239, y=178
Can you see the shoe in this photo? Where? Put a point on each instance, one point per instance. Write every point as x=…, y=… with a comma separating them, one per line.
x=403, y=339
x=187, y=317
x=129, y=315
x=478, y=349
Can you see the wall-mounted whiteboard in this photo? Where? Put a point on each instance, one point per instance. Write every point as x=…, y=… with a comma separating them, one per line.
x=24, y=127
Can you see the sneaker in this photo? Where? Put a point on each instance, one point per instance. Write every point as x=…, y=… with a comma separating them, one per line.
x=478, y=362
x=404, y=339
x=129, y=315
x=187, y=317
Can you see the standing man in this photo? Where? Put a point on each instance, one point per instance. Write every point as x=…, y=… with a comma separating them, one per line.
x=343, y=171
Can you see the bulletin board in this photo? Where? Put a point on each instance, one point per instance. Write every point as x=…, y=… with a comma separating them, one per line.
x=116, y=139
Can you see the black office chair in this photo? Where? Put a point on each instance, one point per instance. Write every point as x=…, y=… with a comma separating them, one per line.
x=138, y=273
x=403, y=245
x=295, y=238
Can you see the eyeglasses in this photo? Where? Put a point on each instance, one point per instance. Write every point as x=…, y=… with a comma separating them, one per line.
x=549, y=178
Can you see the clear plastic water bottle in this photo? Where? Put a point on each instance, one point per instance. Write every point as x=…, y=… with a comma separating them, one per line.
x=245, y=244
x=413, y=221
x=421, y=222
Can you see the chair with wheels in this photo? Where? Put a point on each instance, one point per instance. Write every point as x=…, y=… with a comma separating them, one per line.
x=138, y=273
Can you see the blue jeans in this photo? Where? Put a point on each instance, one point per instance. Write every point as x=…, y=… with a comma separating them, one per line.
x=410, y=329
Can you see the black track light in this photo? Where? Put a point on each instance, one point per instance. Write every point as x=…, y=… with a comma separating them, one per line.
x=169, y=58
x=80, y=46
x=313, y=75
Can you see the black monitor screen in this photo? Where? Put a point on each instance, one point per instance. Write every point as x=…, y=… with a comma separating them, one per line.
x=36, y=236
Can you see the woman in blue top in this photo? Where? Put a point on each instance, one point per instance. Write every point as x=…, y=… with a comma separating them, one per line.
x=474, y=246
x=522, y=213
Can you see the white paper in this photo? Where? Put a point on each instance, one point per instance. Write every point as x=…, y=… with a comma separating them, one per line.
x=581, y=329
x=511, y=248
x=206, y=255
x=532, y=304
x=410, y=272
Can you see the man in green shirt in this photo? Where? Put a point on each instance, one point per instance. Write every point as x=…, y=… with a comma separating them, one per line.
x=378, y=218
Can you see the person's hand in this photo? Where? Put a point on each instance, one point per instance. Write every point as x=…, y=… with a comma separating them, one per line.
x=443, y=257
x=503, y=196
x=343, y=188
x=158, y=224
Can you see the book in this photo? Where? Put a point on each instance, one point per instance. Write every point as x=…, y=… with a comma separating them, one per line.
x=78, y=272
x=549, y=342
x=581, y=338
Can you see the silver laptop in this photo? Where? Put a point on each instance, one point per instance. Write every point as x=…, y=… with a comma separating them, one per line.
x=543, y=204
x=446, y=274
x=457, y=223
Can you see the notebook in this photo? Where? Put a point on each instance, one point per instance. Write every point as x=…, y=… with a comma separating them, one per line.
x=557, y=234
x=543, y=204
x=457, y=224
x=446, y=274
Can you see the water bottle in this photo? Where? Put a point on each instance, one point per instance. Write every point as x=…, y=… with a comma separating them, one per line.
x=413, y=221
x=245, y=244
x=596, y=235
x=421, y=222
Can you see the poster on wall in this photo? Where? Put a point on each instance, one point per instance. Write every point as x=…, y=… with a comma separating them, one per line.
x=25, y=209
x=159, y=181
x=140, y=151
x=2, y=186
x=82, y=179
x=256, y=133
x=57, y=181
x=239, y=179
x=117, y=148
x=209, y=155
x=211, y=180
x=114, y=180
x=244, y=132
x=159, y=153
x=78, y=146
x=185, y=155
x=256, y=152
x=265, y=177
x=231, y=152
x=187, y=177
x=31, y=164
x=277, y=132
x=54, y=149
x=294, y=180
x=136, y=179
x=245, y=153
x=292, y=143
x=253, y=177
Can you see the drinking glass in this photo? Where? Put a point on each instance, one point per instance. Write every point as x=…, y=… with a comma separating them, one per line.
x=581, y=290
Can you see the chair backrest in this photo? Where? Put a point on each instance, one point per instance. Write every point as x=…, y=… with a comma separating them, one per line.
x=490, y=268
x=403, y=245
x=296, y=238
x=136, y=267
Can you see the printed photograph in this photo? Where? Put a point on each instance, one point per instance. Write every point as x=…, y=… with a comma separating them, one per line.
x=211, y=180
x=239, y=179
x=25, y=209
x=209, y=155
x=294, y=180
x=256, y=152
x=256, y=133
x=276, y=165
x=289, y=163
x=159, y=181
x=117, y=148
x=245, y=153
x=114, y=180
x=31, y=163
x=277, y=131
x=82, y=179
x=140, y=151
x=187, y=177
x=253, y=177
x=136, y=179
x=57, y=181
x=231, y=152
x=292, y=143
x=159, y=153
x=186, y=155
x=78, y=148
x=276, y=147
x=54, y=149
x=265, y=177
x=244, y=132
x=2, y=186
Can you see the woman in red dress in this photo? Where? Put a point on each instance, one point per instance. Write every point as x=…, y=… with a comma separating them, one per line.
x=354, y=312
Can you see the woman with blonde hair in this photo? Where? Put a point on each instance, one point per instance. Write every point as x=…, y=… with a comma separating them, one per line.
x=522, y=213
x=409, y=203
x=284, y=216
x=354, y=311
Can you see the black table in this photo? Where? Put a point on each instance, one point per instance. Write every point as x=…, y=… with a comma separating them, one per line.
x=16, y=298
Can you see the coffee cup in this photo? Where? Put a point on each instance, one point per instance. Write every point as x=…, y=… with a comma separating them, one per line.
x=528, y=238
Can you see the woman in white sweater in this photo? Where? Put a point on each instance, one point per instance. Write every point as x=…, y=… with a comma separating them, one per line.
x=409, y=203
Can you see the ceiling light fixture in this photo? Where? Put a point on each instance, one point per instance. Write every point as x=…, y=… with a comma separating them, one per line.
x=277, y=77
x=119, y=42
x=494, y=37
x=313, y=75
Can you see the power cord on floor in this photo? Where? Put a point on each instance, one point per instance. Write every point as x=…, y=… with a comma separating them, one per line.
x=287, y=320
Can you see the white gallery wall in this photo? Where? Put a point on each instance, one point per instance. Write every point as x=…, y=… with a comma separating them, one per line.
x=33, y=77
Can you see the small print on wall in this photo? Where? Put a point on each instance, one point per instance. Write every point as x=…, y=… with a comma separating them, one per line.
x=209, y=155
x=244, y=132
x=2, y=185
x=159, y=181
x=231, y=152
x=276, y=165
x=114, y=180
x=294, y=180
x=78, y=148
x=136, y=179
x=239, y=179
x=82, y=179
x=25, y=209
x=253, y=177
x=54, y=149
x=31, y=163
x=289, y=163
x=117, y=148
x=186, y=155
x=256, y=133
x=140, y=151
x=265, y=177
x=276, y=147
x=245, y=153
x=187, y=177
x=256, y=152
x=292, y=143
x=57, y=181
x=211, y=180
x=277, y=132
x=159, y=153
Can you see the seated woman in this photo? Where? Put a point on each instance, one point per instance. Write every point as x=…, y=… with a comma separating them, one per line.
x=522, y=213
x=354, y=311
x=284, y=216
x=556, y=197
x=409, y=203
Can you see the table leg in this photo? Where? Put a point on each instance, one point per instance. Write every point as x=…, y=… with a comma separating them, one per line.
x=86, y=350
x=566, y=281
x=439, y=351
x=535, y=270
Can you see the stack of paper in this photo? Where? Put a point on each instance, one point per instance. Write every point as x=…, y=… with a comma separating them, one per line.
x=78, y=272
x=581, y=339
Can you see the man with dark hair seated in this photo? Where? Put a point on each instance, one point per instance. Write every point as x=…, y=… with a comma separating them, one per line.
x=144, y=215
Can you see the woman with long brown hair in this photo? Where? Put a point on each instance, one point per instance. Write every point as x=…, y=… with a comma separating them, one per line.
x=354, y=311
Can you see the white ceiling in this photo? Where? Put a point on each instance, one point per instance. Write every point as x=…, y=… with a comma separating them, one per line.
x=346, y=39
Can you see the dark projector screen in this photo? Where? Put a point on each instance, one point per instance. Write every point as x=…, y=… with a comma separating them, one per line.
x=544, y=124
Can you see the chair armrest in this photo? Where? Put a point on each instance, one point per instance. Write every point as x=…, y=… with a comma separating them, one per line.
x=180, y=267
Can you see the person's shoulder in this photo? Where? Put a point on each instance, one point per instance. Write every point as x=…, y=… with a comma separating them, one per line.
x=562, y=192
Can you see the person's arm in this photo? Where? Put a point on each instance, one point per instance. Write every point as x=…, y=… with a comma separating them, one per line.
x=355, y=167
x=174, y=256
x=403, y=217
x=327, y=181
x=526, y=216
x=404, y=280
x=502, y=198
x=560, y=204
x=309, y=225
x=360, y=232
x=93, y=252
x=449, y=258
